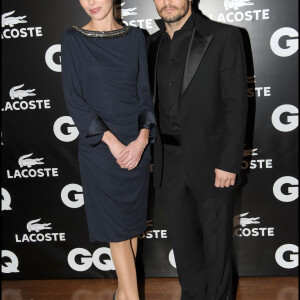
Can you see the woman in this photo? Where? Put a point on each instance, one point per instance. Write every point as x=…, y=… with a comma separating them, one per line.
x=105, y=81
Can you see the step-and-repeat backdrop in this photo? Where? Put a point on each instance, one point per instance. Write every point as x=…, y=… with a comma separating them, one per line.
x=44, y=231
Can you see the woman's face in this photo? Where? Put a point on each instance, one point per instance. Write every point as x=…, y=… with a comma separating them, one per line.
x=97, y=9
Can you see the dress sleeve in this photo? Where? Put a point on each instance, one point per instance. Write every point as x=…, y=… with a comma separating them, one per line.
x=90, y=125
x=146, y=116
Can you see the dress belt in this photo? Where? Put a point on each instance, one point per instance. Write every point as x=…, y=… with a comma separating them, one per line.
x=170, y=140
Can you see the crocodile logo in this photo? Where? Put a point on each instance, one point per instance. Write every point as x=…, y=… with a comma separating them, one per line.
x=251, y=79
x=127, y=11
x=7, y=20
x=236, y=4
x=250, y=152
x=34, y=226
x=15, y=92
x=25, y=161
x=242, y=221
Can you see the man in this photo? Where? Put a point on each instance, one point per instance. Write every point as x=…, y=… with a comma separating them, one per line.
x=198, y=81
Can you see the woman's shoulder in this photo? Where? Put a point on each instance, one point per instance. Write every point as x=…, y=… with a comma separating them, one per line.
x=69, y=34
x=137, y=30
x=139, y=33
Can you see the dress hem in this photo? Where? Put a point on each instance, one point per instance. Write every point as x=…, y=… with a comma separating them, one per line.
x=116, y=240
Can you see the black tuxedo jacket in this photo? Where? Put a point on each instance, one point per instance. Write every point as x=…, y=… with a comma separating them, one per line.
x=212, y=105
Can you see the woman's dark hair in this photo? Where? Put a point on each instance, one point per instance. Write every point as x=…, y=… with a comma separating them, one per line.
x=117, y=10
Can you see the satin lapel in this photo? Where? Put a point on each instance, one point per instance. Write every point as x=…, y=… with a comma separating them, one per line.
x=196, y=52
x=155, y=50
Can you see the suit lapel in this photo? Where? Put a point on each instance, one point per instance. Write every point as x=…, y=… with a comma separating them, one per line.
x=196, y=52
x=154, y=49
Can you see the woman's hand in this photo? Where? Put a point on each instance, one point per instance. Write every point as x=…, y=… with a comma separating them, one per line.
x=131, y=155
x=114, y=145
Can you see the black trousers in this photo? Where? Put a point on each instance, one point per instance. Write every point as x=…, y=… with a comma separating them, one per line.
x=200, y=232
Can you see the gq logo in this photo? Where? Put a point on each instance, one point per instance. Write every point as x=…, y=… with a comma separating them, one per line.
x=172, y=259
x=78, y=196
x=72, y=131
x=292, y=120
x=49, y=57
x=6, y=200
x=290, y=43
x=281, y=256
x=10, y=266
x=87, y=260
x=293, y=192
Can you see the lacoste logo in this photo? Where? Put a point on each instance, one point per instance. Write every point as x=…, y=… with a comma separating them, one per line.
x=15, y=92
x=25, y=161
x=35, y=236
x=242, y=221
x=11, y=21
x=251, y=79
x=33, y=226
x=149, y=223
x=236, y=4
x=250, y=152
x=127, y=11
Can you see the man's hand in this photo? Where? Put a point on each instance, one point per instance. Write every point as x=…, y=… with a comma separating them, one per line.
x=224, y=179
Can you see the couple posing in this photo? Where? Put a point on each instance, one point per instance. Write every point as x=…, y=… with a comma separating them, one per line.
x=193, y=111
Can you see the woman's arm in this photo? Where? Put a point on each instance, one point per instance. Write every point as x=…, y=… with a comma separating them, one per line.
x=146, y=116
x=90, y=125
x=131, y=155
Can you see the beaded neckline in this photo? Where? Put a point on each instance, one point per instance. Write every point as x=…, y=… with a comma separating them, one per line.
x=103, y=34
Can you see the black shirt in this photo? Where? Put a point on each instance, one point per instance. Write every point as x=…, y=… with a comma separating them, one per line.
x=170, y=68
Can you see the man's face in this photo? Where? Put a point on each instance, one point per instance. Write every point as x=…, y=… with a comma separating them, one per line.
x=172, y=10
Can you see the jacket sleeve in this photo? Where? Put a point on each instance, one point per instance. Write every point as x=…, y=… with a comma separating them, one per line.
x=146, y=115
x=235, y=102
x=90, y=125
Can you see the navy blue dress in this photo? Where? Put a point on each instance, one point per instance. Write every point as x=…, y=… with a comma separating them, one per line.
x=106, y=87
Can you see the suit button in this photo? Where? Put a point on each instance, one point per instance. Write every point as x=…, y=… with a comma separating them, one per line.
x=171, y=83
x=172, y=60
x=172, y=107
x=175, y=127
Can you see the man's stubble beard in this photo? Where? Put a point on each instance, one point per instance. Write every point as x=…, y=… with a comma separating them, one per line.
x=181, y=14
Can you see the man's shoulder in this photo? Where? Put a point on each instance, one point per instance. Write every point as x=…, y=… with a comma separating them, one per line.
x=213, y=26
x=155, y=35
